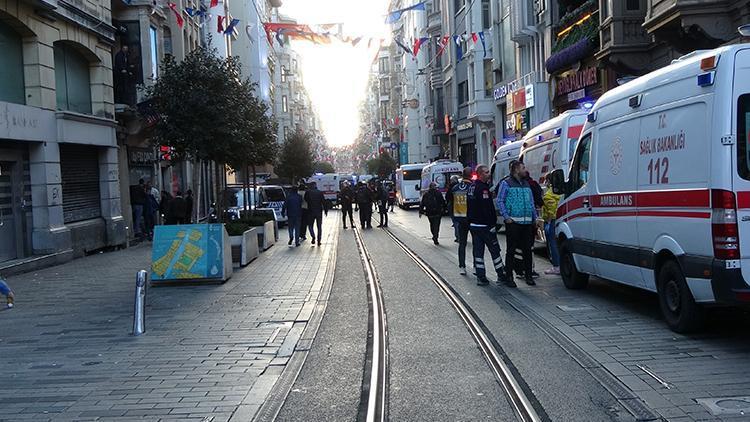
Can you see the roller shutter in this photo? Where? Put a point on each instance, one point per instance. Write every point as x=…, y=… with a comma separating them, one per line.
x=79, y=168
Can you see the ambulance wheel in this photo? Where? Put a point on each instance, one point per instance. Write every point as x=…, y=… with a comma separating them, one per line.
x=677, y=304
x=572, y=278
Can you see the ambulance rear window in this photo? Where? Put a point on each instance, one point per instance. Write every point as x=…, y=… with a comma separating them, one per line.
x=412, y=174
x=743, y=136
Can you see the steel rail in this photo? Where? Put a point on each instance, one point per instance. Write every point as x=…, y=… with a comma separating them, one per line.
x=521, y=404
x=377, y=394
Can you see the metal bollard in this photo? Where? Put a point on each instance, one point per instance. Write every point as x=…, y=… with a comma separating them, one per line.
x=139, y=315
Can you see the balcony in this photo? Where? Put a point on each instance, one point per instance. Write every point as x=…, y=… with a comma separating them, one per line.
x=436, y=78
x=482, y=109
x=576, y=37
x=689, y=25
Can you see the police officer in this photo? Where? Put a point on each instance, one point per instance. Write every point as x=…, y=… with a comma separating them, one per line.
x=482, y=219
x=346, y=198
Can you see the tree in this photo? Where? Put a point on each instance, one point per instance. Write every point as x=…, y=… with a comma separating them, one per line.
x=382, y=166
x=295, y=160
x=323, y=167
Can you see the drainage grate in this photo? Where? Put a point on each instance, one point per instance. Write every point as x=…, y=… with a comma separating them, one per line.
x=726, y=405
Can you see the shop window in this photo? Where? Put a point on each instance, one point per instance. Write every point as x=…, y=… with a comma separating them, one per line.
x=79, y=172
x=72, y=79
x=11, y=61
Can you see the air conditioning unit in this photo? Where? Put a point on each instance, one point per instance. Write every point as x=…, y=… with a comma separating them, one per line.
x=522, y=25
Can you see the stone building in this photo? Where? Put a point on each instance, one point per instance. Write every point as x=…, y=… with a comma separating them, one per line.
x=59, y=175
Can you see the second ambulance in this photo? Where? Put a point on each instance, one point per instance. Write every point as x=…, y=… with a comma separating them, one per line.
x=658, y=194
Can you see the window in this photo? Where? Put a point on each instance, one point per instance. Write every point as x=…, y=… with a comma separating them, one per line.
x=457, y=5
x=743, y=139
x=412, y=174
x=633, y=5
x=153, y=37
x=579, y=174
x=486, y=15
x=463, y=92
x=11, y=61
x=168, y=42
x=283, y=74
x=488, y=78
x=284, y=104
x=385, y=87
x=72, y=86
x=383, y=68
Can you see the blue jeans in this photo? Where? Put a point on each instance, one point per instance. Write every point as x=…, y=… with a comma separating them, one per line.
x=554, y=254
x=481, y=236
x=293, y=226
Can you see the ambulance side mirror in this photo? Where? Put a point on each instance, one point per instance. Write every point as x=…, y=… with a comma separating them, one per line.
x=417, y=187
x=557, y=178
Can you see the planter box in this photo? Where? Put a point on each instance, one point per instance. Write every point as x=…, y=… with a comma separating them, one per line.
x=266, y=235
x=245, y=248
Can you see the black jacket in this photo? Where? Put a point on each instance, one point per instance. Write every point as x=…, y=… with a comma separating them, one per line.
x=316, y=202
x=432, y=204
x=346, y=196
x=481, y=210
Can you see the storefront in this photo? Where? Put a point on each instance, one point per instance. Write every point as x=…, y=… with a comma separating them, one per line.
x=519, y=103
x=467, y=145
x=577, y=88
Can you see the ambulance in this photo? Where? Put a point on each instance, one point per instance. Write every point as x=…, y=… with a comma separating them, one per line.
x=501, y=162
x=328, y=184
x=658, y=192
x=408, y=178
x=550, y=145
x=440, y=172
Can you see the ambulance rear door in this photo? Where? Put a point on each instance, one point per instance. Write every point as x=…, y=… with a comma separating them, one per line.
x=741, y=124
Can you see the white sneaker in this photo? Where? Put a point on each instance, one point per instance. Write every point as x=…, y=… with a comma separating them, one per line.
x=462, y=270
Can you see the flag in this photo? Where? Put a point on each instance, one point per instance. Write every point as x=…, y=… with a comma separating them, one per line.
x=230, y=27
x=214, y=3
x=180, y=21
x=356, y=41
x=484, y=46
x=190, y=11
x=220, y=23
x=418, y=43
x=394, y=16
x=474, y=37
x=279, y=34
x=442, y=43
x=459, y=51
x=405, y=48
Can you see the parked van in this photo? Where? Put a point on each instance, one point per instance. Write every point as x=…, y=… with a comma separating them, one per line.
x=329, y=184
x=272, y=196
x=658, y=195
x=408, y=182
x=550, y=145
x=501, y=163
x=440, y=172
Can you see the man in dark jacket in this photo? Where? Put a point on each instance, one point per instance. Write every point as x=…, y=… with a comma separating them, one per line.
x=346, y=198
x=433, y=206
x=316, y=205
x=482, y=219
x=292, y=209
x=364, y=202
x=178, y=209
x=138, y=202
x=382, y=198
x=458, y=208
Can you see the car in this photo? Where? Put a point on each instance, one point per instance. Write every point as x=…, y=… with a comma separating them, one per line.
x=272, y=196
x=658, y=192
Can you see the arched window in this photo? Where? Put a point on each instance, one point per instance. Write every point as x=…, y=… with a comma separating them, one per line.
x=11, y=62
x=72, y=81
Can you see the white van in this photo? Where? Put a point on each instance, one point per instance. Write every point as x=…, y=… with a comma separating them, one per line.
x=329, y=184
x=550, y=145
x=501, y=162
x=440, y=172
x=408, y=182
x=658, y=195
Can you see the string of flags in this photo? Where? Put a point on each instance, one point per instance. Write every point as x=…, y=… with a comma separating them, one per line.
x=395, y=15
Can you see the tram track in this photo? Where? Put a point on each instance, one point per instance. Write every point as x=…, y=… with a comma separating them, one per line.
x=374, y=405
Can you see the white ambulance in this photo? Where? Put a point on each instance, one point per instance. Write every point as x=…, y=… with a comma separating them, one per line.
x=550, y=145
x=658, y=195
x=501, y=163
x=440, y=172
x=408, y=179
x=329, y=184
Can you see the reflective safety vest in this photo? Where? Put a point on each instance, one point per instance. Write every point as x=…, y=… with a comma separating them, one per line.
x=460, y=199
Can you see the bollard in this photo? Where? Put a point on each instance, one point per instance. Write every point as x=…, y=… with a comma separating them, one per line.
x=139, y=315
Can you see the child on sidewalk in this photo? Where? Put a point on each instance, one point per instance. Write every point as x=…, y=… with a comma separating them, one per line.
x=7, y=292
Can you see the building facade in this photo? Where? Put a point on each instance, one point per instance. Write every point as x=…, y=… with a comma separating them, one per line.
x=59, y=174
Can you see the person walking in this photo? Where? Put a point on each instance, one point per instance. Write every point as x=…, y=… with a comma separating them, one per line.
x=433, y=206
x=138, y=202
x=150, y=211
x=305, y=219
x=346, y=199
x=178, y=209
x=316, y=204
x=292, y=209
x=516, y=204
x=458, y=206
x=189, y=206
x=391, y=196
x=449, y=199
x=549, y=213
x=382, y=198
x=364, y=202
x=482, y=218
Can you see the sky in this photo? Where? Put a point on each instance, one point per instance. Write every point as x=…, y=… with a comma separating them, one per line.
x=336, y=75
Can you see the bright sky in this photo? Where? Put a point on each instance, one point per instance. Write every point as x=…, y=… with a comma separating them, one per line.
x=336, y=75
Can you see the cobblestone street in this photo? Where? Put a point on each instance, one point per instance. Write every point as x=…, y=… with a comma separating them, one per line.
x=209, y=351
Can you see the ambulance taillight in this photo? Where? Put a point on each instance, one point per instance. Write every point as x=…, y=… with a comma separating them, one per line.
x=724, y=229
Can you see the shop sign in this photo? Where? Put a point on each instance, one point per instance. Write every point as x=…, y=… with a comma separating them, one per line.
x=465, y=126
x=576, y=95
x=520, y=99
x=500, y=92
x=577, y=81
x=141, y=156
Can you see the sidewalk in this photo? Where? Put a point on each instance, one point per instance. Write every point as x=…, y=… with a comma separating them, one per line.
x=66, y=352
